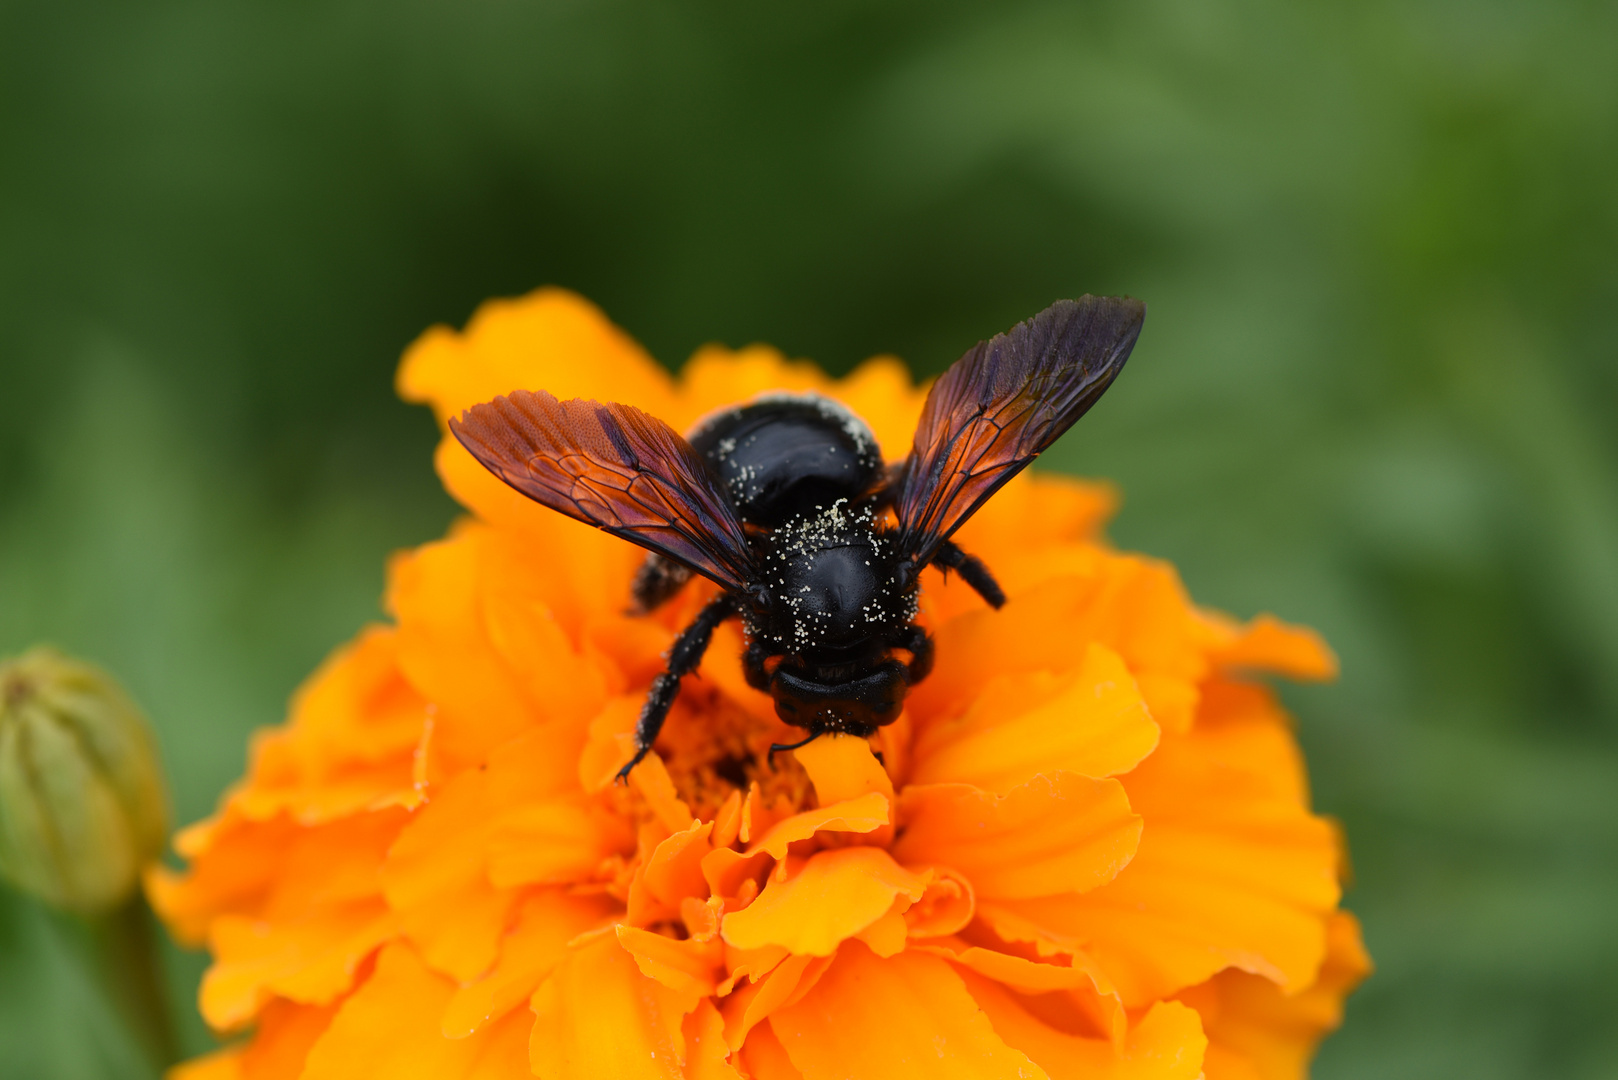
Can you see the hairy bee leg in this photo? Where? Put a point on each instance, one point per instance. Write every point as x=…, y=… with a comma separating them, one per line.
x=972, y=571
x=684, y=656
x=657, y=580
x=915, y=639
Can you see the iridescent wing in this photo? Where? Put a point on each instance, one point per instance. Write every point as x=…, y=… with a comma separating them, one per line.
x=1003, y=403
x=614, y=467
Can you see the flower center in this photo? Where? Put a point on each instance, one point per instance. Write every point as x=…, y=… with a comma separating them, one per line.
x=712, y=746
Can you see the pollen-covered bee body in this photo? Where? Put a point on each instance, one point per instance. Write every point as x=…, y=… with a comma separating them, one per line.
x=786, y=504
x=784, y=456
x=833, y=586
x=781, y=458
x=836, y=611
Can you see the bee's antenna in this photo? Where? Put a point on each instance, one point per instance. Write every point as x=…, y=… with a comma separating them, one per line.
x=770, y=757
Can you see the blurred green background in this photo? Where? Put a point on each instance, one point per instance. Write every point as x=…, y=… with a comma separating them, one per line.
x=1376, y=391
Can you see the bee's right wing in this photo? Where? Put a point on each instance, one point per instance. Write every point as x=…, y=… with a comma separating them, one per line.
x=614, y=467
x=999, y=406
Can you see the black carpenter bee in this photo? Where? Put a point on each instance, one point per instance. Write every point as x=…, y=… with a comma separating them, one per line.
x=785, y=502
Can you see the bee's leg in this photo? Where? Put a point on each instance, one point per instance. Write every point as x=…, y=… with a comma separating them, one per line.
x=657, y=580
x=684, y=656
x=972, y=571
x=753, y=666
x=920, y=646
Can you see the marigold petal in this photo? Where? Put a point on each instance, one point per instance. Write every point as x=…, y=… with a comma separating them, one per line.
x=444, y=649
x=523, y=808
x=227, y=878
x=535, y=944
x=945, y=907
x=389, y=1027
x=609, y=741
x=1254, y=1025
x=786, y=981
x=1241, y=726
x=1028, y=976
x=651, y=779
x=1133, y=605
x=310, y=960
x=347, y=745
x=442, y=849
x=707, y=1055
x=842, y=767
x=679, y=964
x=223, y=1064
x=1038, y=510
x=1268, y=644
x=282, y=1038
x=1053, y=834
x=906, y=1016
x=479, y=639
x=458, y=934
x=673, y=872
x=836, y=895
x=552, y=843
x=765, y=1058
x=889, y=934
x=861, y=814
x=597, y=1015
x=1228, y=874
x=1092, y=722
x=550, y=338
x=718, y=377
x=1166, y=1044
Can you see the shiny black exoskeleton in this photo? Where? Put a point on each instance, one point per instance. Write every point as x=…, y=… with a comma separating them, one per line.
x=804, y=473
x=786, y=504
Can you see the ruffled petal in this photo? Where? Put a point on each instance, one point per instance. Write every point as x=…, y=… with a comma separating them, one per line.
x=1055, y=834
x=1166, y=1044
x=598, y=1016
x=1229, y=874
x=764, y=1057
x=907, y=1016
x=835, y=896
x=280, y=1045
x=1092, y=721
x=681, y=964
x=453, y=872
x=445, y=652
x=707, y=1055
x=550, y=339
x=1134, y=606
x=1268, y=644
x=1254, y=1027
x=842, y=767
x=348, y=745
x=389, y=1027
x=310, y=960
x=534, y=945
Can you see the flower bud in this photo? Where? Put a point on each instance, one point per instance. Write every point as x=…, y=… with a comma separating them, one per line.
x=82, y=805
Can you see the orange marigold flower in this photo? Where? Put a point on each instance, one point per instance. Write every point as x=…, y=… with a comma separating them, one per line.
x=1086, y=849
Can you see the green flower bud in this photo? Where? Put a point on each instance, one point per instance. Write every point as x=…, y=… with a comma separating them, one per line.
x=82, y=805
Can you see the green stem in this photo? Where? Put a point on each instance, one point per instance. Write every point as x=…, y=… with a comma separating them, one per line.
x=124, y=950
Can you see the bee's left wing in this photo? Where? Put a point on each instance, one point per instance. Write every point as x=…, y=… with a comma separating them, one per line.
x=614, y=467
x=1001, y=405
